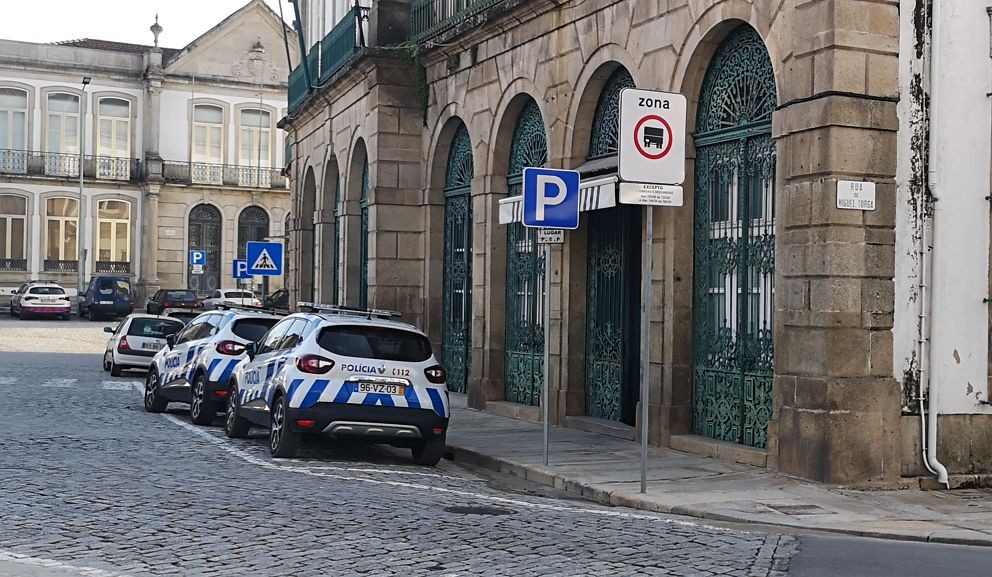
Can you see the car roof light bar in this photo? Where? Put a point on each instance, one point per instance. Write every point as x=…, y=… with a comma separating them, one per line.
x=253, y=308
x=344, y=310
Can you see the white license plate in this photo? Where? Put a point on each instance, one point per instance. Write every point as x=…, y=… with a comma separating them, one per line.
x=380, y=388
x=48, y=301
x=151, y=346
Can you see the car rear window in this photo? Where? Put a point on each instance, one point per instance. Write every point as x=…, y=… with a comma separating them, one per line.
x=180, y=295
x=47, y=290
x=153, y=328
x=381, y=343
x=123, y=287
x=252, y=329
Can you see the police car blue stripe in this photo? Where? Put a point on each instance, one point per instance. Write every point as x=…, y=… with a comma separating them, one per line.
x=224, y=376
x=210, y=369
x=437, y=401
x=376, y=399
x=313, y=395
x=344, y=393
x=293, y=386
x=410, y=394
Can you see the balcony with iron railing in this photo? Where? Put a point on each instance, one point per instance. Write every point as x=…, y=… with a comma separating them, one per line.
x=62, y=165
x=113, y=267
x=193, y=173
x=432, y=18
x=331, y=54
x=61, y=265
x=13, y=264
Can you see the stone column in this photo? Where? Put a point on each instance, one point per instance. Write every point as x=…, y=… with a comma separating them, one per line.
x=149, y=282
x=837, y=404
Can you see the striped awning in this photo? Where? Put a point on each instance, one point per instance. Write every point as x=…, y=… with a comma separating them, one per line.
x=594, y=194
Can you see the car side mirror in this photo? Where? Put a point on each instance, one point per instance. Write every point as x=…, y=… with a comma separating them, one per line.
x=108, y=330
x=251, y=349
x=170, y=340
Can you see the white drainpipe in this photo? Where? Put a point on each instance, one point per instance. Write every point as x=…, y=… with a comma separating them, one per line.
x=929, y=419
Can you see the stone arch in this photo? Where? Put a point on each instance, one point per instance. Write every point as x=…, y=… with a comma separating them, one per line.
x=328, y=231
x=305, y=236
x=588, y=87
x=204, y=225
x=356, y=226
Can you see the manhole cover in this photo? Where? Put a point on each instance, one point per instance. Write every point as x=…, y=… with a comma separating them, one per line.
x=478, y=510
x=798, y=509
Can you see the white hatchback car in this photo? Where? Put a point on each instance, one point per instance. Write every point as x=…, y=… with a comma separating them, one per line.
x=230, y=297
x=346, y=373
x=41, y=299
x=135, y=341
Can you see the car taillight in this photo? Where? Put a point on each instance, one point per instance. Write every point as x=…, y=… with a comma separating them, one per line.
x=197, y=305
x=123, y=344
x=314, y=364
x=436, y=374
x=166, y=303
x=230, y=348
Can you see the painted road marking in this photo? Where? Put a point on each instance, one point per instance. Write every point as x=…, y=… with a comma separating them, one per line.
x=11, y=557
x=119, y=385
x=60, y=383
x=8, y=380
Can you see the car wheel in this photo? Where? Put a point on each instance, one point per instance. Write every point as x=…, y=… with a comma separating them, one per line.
x=23, y=315
x=115, y=369
x=107, y=360
x=235, y=426
x=92, y=314
x=430, y=451
x=154, y=401
x=283, y=441
x=201, y=409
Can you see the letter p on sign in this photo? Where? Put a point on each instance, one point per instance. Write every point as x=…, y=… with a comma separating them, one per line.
x=551, y=198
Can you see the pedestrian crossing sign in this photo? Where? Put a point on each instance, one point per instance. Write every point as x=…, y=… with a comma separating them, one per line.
x=264, y=258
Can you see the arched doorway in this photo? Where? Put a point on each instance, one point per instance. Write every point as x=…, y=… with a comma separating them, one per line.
x=524, y=270
x=734, y=244
x=204, y=234
x=363, y=252
x=253, y=225
x=612, y=280
x=327, y=239
x=308, y=203
x=456, y=307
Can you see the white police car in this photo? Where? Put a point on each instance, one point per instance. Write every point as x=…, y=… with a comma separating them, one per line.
x=135, y=341
x=196, y=363
x=346, y=373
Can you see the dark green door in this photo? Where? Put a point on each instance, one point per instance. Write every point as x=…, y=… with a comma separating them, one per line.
x=524, y=368
x=612, y=313
x=734, y=245
x=363, y=250
x=456, y=328
x=612, y=281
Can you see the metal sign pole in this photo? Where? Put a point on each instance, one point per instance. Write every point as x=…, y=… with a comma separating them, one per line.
x=646, y=340
x=547, y=344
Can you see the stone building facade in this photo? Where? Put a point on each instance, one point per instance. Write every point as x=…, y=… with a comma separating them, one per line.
x=180, y=151
x=771, y=323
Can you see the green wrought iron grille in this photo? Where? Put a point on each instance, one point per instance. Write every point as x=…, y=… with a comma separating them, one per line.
x=605, y=122
x=456, y=329
x=734, y=245
x=337, y=241
x=524, y=271
x=612, y=277
x=363, y=254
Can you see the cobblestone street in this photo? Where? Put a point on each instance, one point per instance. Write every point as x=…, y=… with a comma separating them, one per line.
x=94, y=485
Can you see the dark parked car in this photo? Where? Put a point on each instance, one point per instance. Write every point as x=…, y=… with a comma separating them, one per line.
x=172, y=299
x=107, y=296
x=277, y=300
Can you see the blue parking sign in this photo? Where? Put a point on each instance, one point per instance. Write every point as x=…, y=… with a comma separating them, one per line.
x=264, y=258
x=240, y=269
x=198, y=257
x=551, y=198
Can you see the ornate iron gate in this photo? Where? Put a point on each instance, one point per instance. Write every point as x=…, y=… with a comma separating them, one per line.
x=612, y=266
x=524, y=271
x=336, y=274
x=253, y=225
x=734, y=244
x=204, y=234
x=456, y=328
x=363, y=254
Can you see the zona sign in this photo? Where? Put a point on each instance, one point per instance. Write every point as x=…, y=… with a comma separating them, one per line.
x=652, y=136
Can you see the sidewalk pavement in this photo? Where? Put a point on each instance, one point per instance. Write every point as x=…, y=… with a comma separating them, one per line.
x=608, y=470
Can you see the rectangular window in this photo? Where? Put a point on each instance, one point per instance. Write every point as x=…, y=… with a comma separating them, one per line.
x=207, y=144
x=13, y=215
x=61, y=229
x=114, y=226
x=381, y=343
x=254, y=157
